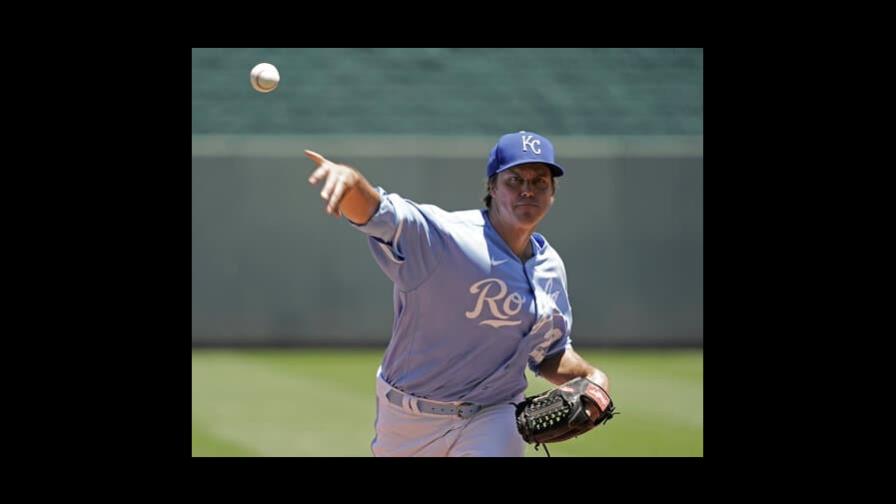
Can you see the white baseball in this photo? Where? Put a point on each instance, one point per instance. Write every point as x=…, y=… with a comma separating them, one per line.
x=264, y=77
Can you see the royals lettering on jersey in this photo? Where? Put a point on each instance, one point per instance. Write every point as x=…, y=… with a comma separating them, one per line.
x=469, y=316
x=512, y=304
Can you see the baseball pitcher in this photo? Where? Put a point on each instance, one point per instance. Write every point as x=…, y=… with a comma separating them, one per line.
x=478, y=296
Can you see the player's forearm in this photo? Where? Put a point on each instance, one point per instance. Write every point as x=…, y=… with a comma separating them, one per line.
x=560, y=369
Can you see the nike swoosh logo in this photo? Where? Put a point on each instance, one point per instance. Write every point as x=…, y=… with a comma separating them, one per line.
x=498, y=263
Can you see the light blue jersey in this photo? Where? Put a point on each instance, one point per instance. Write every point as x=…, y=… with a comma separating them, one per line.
x=469, y=315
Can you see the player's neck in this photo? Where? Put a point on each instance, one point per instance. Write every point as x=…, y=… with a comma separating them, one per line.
x=516, y=237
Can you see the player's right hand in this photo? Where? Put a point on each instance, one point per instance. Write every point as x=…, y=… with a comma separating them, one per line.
x=338, y=180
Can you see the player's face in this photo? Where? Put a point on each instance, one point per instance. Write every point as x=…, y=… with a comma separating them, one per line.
x=524, y=193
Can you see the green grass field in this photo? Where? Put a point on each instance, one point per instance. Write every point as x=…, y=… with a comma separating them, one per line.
x=320, y=403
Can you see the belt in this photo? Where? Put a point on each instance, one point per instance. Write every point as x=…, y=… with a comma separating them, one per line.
x=462, y=410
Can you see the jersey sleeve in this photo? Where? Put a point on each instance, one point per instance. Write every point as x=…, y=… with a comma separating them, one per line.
x=565, y=341
x=557, y=347
x=405, y=242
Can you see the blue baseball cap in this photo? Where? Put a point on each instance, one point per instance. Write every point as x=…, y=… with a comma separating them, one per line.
x=524, y=147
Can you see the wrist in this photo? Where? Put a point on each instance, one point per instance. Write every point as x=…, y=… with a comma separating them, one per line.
x=600, y=378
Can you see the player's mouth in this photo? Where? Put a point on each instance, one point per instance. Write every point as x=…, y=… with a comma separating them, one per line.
x=528, y=203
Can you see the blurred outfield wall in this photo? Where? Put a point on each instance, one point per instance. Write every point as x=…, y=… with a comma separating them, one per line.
x=270, y=267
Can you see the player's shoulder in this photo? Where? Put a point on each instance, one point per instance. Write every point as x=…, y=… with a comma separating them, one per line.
x=428, y=210
x=469, y=217
x=441, y=218
x=546, y=250
x=463, y=218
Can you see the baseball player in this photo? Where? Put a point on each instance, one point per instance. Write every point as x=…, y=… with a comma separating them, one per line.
x=478, y=295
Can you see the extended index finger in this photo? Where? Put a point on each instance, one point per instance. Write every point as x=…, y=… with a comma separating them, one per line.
x=317, y=158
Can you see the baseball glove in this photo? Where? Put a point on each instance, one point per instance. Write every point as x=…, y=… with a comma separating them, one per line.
x=559, y=414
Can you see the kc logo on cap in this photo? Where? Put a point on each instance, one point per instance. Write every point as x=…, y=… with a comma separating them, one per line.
x=519, y=148
x=527, y=140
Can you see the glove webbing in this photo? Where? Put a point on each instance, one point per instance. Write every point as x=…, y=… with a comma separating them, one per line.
x=546, y=406
x=545, y=410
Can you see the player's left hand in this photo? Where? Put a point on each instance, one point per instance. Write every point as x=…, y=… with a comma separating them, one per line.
x=567, y=411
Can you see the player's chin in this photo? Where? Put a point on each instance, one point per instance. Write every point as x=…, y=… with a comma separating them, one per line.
x=529, y=213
